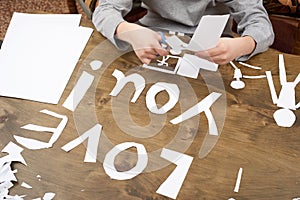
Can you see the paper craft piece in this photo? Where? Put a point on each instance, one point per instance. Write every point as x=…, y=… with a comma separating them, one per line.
x=26, y=185
x=163, y=62
x=172, y=185
x=176, y=44
x=208, y=32
x=250, y=66
x=79, y=90
x=36, y=144
x=190, y=66
x=203, y=105
x=7, y=175
x=136, y=79
x=96, y=64
x=238, y=180
x=173, y=92
x=48, y=196
x=284, y=117
x=39, y=54
x=254, y=77
x=93, y=136
x=14, y=154
x=141, y=164
x=237, y=83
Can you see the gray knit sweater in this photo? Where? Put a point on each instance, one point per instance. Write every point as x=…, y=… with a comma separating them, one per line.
x=184, y=15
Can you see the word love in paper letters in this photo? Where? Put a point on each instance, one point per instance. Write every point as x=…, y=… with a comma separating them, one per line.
x=171, y=186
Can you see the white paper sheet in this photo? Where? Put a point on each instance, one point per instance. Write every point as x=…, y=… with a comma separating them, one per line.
x=26, y=185
x=37, y=61
x=208, y=32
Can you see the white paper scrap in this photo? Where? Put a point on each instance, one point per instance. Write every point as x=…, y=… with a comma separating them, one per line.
x=48, y=196
x=250, y=66
x=26, y=185
x=238, y=180
x=136, y=79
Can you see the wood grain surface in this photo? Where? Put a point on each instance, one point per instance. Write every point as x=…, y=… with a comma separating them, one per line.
x=249, y=139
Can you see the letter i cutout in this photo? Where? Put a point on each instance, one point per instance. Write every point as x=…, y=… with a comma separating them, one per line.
x=83, y=84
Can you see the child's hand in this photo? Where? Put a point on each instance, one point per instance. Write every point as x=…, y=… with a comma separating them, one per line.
x=228, y=49
x=145, y=42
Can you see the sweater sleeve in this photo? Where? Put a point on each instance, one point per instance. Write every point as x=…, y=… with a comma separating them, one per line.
x=108, y=15
x=252, y=20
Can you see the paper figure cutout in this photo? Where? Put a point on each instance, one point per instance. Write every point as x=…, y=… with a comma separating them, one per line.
x=36, y=144
x=172, y=185
x=238, y=180
x=284, y=117
x=202, y=106
x=83, y=84
x=93, y=136
x=138, y=81
x=163, y=65
x=109, y=166
x=237, y=83
x=173, y=92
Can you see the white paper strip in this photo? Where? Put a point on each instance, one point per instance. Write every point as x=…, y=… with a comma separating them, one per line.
x=272, y=87
x=282, y=72
x=26, y=185
x=250, y=66
x=238, y=180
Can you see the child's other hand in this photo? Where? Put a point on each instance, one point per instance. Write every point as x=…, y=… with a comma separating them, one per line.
x=145, y=42
x=228, y=49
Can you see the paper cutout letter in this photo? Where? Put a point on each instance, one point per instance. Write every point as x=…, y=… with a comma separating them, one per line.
x=284, y=117
x=81, y=87
x=172, y=185
x=172, y=90
x=93, y=136
x=36, y=144
x=202, y=106
x=141, y=164
x=138, y=81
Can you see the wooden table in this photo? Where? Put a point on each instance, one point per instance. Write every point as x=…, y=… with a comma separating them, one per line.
x=249, y=139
